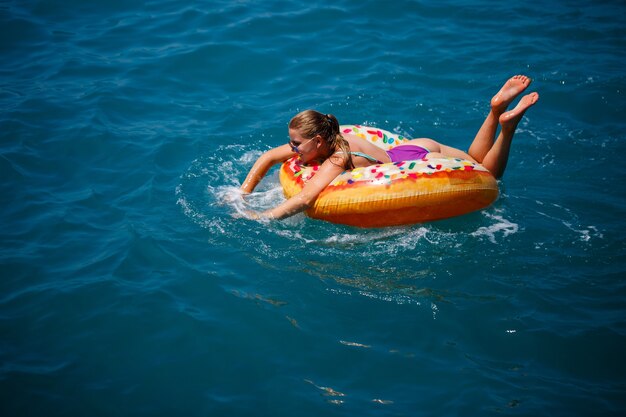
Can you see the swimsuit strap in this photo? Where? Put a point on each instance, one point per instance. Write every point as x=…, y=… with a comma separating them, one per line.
x=364, y=155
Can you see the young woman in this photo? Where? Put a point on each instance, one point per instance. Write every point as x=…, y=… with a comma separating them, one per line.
x=316, y=137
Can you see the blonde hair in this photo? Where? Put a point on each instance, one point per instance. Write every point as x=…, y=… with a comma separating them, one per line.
x=311, y=123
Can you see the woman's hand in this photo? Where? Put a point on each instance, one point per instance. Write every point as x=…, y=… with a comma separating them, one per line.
x=254, y=215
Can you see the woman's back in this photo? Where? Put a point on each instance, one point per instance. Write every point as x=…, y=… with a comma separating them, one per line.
x=359, y=145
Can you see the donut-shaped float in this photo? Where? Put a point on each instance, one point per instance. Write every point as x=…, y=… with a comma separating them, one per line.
x=395, y=193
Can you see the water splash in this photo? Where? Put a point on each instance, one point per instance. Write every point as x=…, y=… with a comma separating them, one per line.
x=501, y=225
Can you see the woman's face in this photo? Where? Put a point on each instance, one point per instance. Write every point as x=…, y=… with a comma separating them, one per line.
x=307, y=149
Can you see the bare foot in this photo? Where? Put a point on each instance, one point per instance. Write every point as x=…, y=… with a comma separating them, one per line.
x=511, y=118
x=511, y=89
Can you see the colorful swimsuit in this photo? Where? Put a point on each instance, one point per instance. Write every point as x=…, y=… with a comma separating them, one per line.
x=407, y=153
x=398, y=153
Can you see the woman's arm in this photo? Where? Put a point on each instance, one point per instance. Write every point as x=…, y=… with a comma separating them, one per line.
x=263, y=164
x=304, y=199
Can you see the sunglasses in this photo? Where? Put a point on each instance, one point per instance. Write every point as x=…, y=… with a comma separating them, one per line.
x=295, y=148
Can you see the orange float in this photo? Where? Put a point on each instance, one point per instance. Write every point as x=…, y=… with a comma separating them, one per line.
x=395, y=193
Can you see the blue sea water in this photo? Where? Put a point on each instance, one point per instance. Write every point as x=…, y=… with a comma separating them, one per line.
x=129, y=286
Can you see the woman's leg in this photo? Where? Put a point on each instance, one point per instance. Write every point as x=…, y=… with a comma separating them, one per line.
x=484, y=139
x=493, y=156
x=496, y=159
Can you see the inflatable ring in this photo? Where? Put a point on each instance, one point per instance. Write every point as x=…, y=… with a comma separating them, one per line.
x=395, y=193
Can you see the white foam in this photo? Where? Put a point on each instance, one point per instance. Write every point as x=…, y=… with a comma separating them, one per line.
x=250, y=157
x=363, y=236
x=387, y=297
x=230, y=196
x=502, y=225
x=585, y=232
x=188, y=209
x=434, y=309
